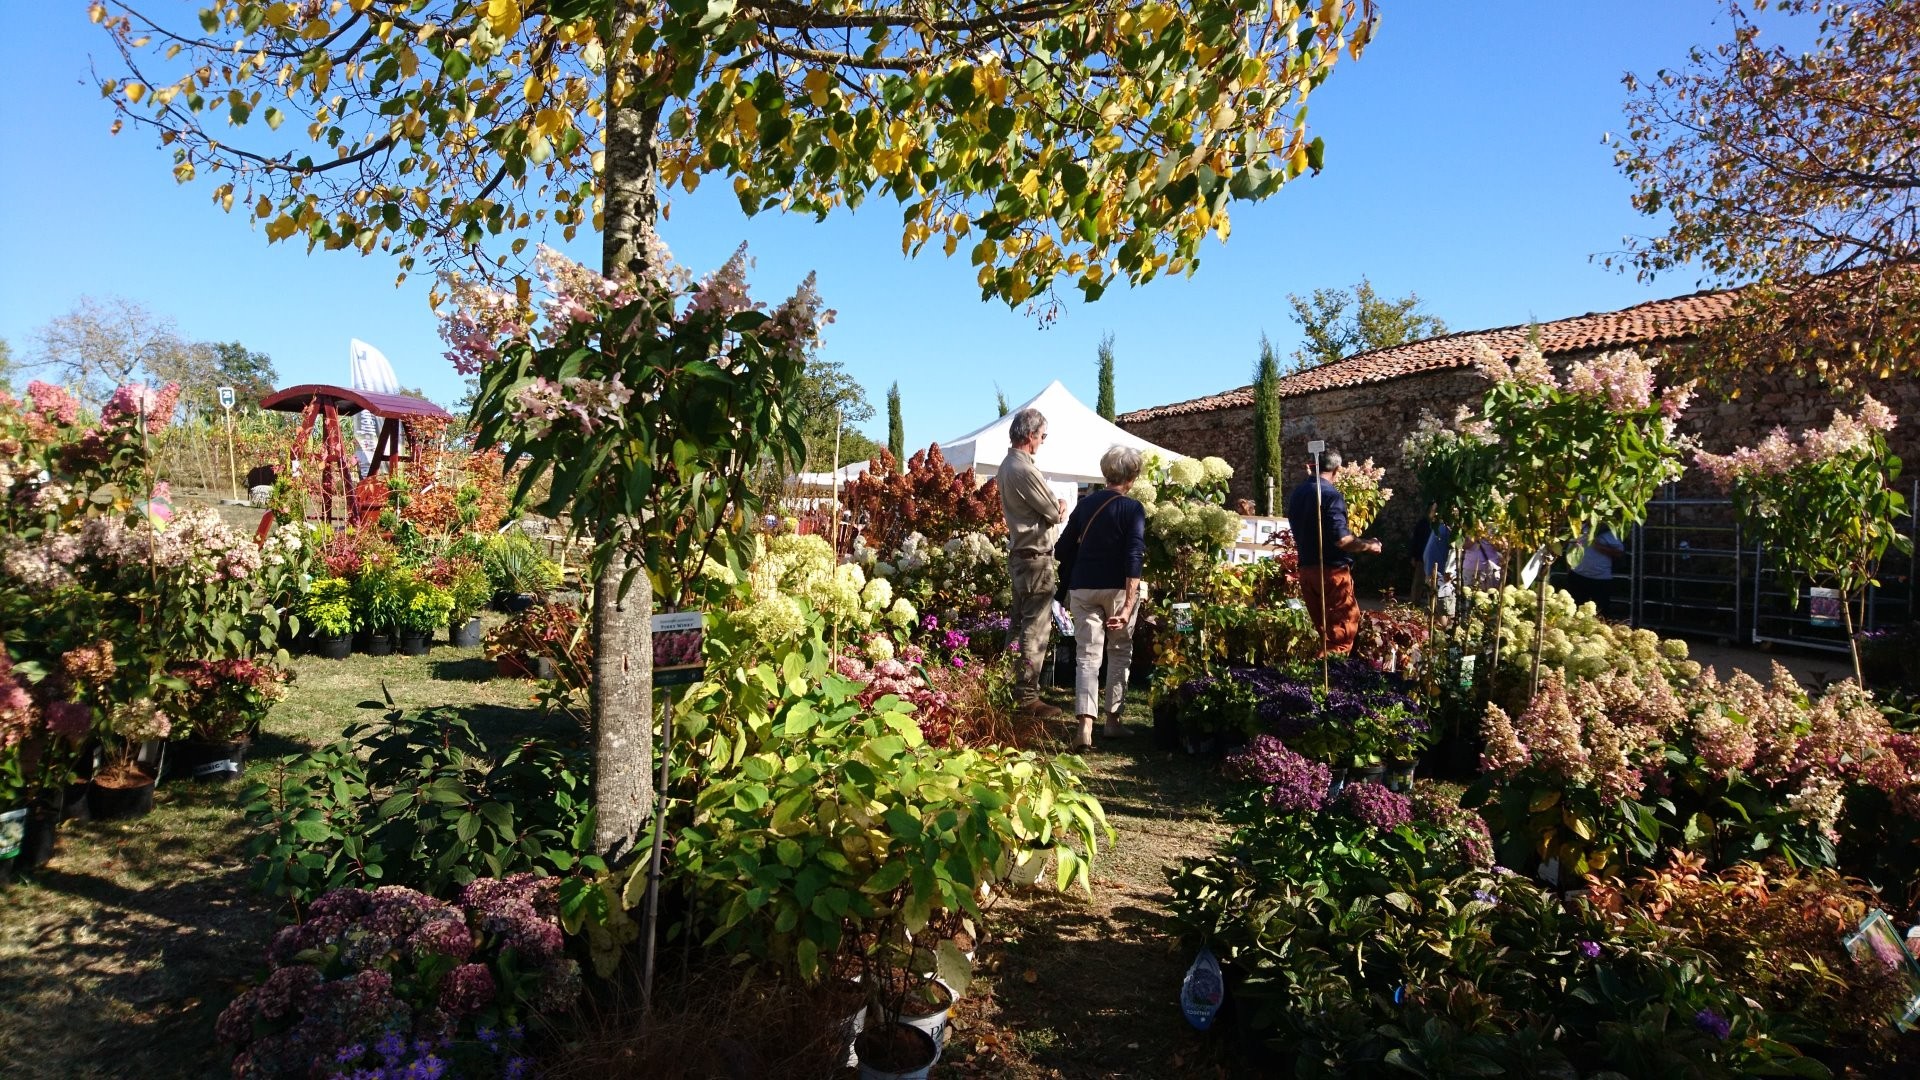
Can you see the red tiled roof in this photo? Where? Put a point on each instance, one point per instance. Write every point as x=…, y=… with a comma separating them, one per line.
x=1654, y=322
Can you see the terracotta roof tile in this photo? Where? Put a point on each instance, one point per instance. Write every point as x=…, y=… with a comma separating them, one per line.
x=1654, y=322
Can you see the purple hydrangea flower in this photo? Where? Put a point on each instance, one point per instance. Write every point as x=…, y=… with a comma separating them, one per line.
x=1590, y=949
x=1486, y=897
x=1713, y=1024
x=1375, y=805
x=1288, y=780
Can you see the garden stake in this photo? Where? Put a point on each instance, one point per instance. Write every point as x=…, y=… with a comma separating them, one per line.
x=649, y=922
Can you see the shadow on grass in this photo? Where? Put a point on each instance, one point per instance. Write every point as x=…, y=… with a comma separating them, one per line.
x=119, y=956
x=471, y=669
x=1110, y=1002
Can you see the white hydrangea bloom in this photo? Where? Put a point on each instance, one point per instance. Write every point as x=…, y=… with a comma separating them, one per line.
x=1187, y=472
x=1216, y=469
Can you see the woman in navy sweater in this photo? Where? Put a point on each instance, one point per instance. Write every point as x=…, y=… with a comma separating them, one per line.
x=1105, y=541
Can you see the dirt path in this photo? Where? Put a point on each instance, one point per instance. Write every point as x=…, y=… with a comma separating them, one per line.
x=1072, y=986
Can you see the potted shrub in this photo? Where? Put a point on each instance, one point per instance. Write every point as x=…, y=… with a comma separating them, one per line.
x=328, y=610
x=526, y=644
x=379, y=595
x=427, y=607
x=122, y=786
x=520, y=575
x=467, y=581
x=220, y=707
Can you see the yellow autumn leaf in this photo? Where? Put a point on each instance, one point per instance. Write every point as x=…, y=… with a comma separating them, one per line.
x=136, y=91
x=1298, y=162
x=533, y=88
x=817, y=82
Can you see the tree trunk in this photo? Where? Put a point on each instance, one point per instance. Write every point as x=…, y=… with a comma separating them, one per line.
x=623, y=790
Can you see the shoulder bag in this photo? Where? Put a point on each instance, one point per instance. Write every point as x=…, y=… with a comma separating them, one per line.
x=1066, y=564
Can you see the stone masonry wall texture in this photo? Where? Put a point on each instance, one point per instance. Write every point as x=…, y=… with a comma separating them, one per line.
x=1365, y=405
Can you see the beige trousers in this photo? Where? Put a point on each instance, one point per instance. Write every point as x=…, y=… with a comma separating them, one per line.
x=1031, y=621
x=1093, y=642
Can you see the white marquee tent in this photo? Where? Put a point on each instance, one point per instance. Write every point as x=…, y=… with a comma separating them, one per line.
x=1076, y=438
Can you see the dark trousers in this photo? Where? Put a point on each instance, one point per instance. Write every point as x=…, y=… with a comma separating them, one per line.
x=1584, y=589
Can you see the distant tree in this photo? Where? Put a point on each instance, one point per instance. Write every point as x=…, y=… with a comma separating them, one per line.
x=1267, y=474
x=250, y=373
x=896, y=430
x=1104, y=404
x=1336, y=323
x=826, y=391
x=102, y=343
x=1000, y=399
x=8, y=366
x=1791, y=167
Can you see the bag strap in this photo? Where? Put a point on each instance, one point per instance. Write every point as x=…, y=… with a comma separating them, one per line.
x=1114, y=497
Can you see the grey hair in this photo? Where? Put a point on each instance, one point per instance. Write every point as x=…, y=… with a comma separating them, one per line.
x=1120, y=464
x=1026, y=424
x=1330, y=460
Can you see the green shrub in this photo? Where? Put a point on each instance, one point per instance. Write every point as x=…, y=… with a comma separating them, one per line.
x=418, y=801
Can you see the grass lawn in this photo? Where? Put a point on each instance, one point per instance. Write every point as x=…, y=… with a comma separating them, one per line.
x=119, y=957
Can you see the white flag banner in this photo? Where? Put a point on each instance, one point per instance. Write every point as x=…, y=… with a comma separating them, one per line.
x=370, y=371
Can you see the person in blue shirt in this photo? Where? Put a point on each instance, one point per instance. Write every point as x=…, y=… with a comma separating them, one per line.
x=1104, y=549
x=1317, y=516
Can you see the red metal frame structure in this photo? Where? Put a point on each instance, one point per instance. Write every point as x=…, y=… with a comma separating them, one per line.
x=338, y=471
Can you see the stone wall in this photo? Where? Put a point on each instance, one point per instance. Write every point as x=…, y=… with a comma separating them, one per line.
x=1372, y=419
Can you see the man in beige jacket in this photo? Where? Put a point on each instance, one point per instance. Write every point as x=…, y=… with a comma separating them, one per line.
x=1033, y=516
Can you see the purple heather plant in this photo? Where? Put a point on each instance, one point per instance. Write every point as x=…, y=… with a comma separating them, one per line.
x=1288, y=781
x=1375, y=805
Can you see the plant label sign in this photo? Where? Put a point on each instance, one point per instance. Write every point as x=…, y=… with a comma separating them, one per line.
x=1182, y=618
x=226, y=398
x=679, y=639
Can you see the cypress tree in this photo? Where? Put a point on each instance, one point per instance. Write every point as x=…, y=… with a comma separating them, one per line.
x=896, y=431
x=1104, y=404
x=1000, y=398
x=1266, y=429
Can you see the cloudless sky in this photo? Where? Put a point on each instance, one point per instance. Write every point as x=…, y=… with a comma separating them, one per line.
x=1464, y=162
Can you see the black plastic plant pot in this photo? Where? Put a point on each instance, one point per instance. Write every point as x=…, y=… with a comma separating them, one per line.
x=41, y=841
x=207, y=762
x=334, y=648
x=465, y=635
x=127, y=798
x=375, y=644
x=415, y=642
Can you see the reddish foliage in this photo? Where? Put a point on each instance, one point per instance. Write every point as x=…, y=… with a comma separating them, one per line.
x=929, y=498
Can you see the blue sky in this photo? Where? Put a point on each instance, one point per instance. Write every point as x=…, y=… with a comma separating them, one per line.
x=1464, y=162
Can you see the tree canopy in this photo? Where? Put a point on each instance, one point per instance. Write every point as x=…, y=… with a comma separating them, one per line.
x=1336, y=323
x=824, y=391
x=1793, y=169
x=1057, y=140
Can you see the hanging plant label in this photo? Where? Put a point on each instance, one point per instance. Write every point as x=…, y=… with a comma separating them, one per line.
x=679, y=653
x=1202, y=991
